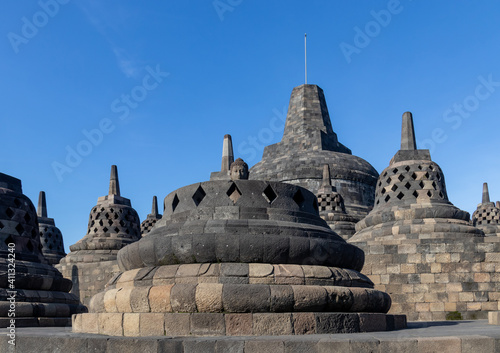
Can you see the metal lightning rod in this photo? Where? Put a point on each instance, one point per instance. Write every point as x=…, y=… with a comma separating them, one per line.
x=305, y=55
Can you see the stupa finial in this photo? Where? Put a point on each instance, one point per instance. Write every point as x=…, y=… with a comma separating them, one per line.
x=486, y=193
x=227, y=154
x=42, y=205
x=327, y=179
x=154, y=208
x=408, y=133
x=114, y=184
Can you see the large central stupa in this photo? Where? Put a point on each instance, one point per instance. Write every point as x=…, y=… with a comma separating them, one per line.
x=308, y=144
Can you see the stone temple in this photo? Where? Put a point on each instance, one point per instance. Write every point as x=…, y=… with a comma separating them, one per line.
x=420, y=248
x=113, y=224
x=239, y=257
x=487, y=216
x=42, y=295
x=50, y=236
x=309, y=143
x=151, y=218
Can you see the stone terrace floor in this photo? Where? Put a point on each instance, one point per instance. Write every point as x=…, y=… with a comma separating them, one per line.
x=447, y=336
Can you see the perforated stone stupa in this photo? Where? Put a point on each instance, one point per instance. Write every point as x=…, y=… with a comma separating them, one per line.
x=151, y=218
x=309, y=143
x=40, y=293
x=50, y=236
x=487, y=216
x=332, y=209
x=239, y=257
x=420, y=248
x=113, y=224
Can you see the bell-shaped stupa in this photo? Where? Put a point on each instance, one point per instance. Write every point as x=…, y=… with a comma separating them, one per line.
x=309, y=143
x=50, y=236
x=32, y=292
x=487, y=216
x=420, y=248
x=332, y=209
x=113, y=224
x=151, y=218
x=239, y=257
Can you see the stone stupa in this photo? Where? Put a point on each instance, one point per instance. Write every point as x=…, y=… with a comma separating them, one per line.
x=487, y=216
x=420, y=248
x=239, y=257
x=113, y=224
x=50, y=236
x=151, y=218
x=309, y=143
x=30, y=287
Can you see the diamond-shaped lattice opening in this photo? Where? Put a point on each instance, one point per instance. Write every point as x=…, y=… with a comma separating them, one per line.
x=400, y=195
x=431, y=167
x=106, y=215
x=95, y=230
x=388, y=181
x=46, y=240
x=110, y=222
x=401, y=177
x=17, y=202
x=438, y=177
x=408, y=185
x=122, y=223
x=102, y=209
x=175, y=202
x=9, y=212
x=385, y=174
x=382, y=191
x=50, y=246
x=9, y=240
x=441, y=194
x=419, y=167
x=421, y=184
x=434, y=185
x=49, y=235
x=27, y=217
x=19, y=229
x=101, y=223
x=426, y=175
x=234, y=193
x=387, y=198
x=111, y=210
x=378, y=201
x=116, y=230
x=298, y=198
x=379, y=183
x=395, y=170
x=94, y=210
x=199, y=195
x=29, y=245
x=394, y=187
x=1, y=225
x=115, y=216
x=429, y=193
x=105, y=229
x=415, y=193
x=414, y=176
x=269, y=194
x=407, y=168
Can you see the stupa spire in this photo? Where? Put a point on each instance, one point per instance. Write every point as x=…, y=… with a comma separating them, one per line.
x=408, y=141
x=486, y=193
x=114, y=184
x=227, y=153
x=42, y=205
x=154, y=208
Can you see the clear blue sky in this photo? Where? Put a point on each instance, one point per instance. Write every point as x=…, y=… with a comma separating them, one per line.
x=231, y=66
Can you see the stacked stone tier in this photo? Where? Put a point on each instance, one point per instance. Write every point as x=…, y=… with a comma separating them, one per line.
x=241, y=221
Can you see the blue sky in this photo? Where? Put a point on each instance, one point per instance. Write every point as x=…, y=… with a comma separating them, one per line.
x=163, y=81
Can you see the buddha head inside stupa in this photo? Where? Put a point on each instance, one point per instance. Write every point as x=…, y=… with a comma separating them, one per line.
x=234, y=256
